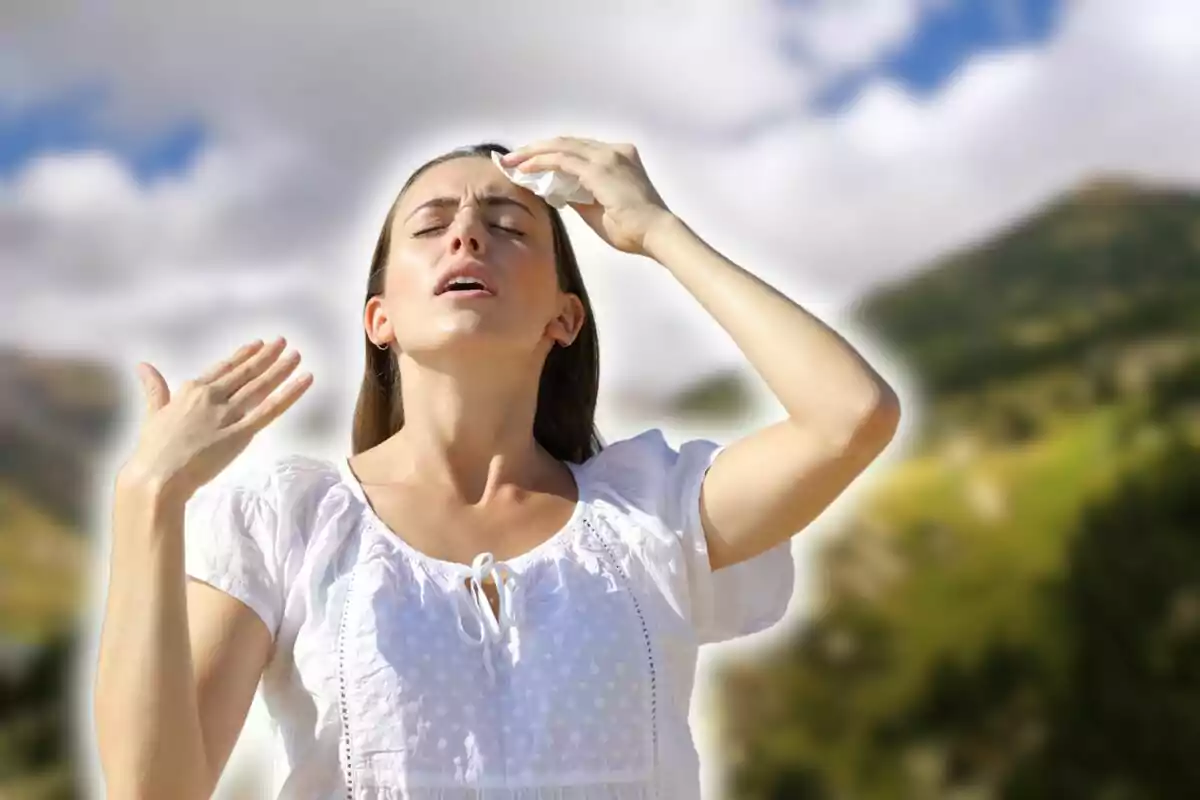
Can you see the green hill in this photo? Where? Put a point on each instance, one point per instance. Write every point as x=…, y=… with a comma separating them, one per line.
x=1107, y=265
x=55, y=415
x=1059, y=360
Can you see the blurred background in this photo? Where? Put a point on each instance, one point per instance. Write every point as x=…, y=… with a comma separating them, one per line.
x=997, y=200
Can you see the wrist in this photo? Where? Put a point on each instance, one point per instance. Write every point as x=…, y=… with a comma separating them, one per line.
x=665, y=229
x=149, y=490
x=147, y=523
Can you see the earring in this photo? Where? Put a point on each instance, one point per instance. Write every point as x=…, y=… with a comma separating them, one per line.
x=383, y=346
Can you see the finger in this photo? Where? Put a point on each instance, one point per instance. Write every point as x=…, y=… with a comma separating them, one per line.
x=564, y=162
x=561, y=144
x=256, y=390
x=593, y=144
x=266, y=413
x=250, y=368
x=221, y=367
x=153, y=386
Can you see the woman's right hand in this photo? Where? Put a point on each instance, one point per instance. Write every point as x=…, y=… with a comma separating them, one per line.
x=188, y=438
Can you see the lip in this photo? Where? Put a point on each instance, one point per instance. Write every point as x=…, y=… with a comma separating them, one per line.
x=466, y=269
x=463, y=295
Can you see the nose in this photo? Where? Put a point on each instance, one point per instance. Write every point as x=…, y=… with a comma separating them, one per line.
x=468, y=233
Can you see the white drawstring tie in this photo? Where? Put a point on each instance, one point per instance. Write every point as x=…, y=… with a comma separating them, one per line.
x=491, y=627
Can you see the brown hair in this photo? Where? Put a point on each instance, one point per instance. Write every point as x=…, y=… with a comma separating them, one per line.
x=564, y=423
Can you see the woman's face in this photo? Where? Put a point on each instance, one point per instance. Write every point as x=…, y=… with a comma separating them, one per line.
x=465, y=213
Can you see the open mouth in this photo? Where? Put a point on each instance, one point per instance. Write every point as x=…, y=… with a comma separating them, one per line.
x=465, y=286
x=466, y=280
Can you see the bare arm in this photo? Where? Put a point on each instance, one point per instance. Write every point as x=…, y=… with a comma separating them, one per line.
x=230, y=648
x=841, y=414
x=179, y=660
x=770, y=484
x=165, y=723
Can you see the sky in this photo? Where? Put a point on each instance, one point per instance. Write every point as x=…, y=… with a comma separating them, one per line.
x=172, y=184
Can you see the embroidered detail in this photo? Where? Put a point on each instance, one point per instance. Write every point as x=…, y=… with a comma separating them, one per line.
x=637, y=607
x=341, y=672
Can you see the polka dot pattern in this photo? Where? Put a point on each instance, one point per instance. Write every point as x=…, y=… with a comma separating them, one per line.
x=566, y=698
x=386, y=683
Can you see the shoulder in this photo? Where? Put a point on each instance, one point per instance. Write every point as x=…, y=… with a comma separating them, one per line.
x=287, y=488
x=645, y=470
x=297, y=475
x=275, y=477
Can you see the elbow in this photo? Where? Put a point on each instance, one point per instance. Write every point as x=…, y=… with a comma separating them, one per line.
x=879, y=423
x=867, y=424
x=883, y=415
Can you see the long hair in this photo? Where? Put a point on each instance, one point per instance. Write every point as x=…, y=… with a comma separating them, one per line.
x=564, y=423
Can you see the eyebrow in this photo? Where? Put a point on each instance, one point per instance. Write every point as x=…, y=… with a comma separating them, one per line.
x=490, y=201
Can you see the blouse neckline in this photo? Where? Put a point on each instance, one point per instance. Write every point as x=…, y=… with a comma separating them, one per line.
x=516, y=563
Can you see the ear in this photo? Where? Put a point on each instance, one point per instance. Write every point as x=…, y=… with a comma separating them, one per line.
x=566, y=326
x=376, y=323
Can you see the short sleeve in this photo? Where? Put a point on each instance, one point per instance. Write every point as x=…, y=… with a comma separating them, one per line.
x=660, y=489
x=231, y=542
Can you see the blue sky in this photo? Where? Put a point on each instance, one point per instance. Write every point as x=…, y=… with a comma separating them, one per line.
x=947, y=36
x=311, y=127
x=73, y=122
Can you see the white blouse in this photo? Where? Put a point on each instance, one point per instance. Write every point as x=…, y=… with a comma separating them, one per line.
x=392, y=677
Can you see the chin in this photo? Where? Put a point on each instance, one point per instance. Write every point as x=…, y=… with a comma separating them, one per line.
x=459, y=335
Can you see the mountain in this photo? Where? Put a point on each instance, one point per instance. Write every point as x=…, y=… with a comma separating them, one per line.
x=55, y=416
x=1109, y=263
x=1012, y=610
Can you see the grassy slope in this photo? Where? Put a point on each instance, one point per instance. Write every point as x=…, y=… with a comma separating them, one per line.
x=40, y=563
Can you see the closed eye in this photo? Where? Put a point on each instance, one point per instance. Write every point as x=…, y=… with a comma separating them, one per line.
x=437, y=228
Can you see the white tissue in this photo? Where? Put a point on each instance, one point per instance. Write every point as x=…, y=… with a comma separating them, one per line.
x=556, y=188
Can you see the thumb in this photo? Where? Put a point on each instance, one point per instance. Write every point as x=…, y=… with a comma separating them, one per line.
x=154, y=386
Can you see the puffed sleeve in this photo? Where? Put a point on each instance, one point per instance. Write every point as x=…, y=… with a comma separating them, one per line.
x=659, y=490
x=233, y=542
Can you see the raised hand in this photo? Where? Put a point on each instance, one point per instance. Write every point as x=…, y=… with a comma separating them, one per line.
x=188, y=437
x=627, y=205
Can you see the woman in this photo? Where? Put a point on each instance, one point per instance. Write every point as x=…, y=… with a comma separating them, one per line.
x=482, y=602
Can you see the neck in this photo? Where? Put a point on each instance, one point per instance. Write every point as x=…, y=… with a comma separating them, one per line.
x=469, y=425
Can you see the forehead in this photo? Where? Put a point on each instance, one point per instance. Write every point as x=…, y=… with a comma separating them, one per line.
x=462, y=177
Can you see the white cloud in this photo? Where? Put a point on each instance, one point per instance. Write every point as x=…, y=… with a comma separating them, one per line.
x=77, y=186
x=896, y=180
x=305, y=109
x=838, y=36
x=315, y=115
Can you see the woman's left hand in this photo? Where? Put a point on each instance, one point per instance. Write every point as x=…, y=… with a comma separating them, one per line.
x=627, y=206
